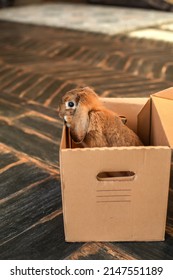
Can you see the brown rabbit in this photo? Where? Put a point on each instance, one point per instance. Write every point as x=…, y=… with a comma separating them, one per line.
x=91, y=124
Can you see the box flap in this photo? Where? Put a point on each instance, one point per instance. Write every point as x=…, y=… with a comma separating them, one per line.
x=166, y=94
x=144, y=124
x=162, y=109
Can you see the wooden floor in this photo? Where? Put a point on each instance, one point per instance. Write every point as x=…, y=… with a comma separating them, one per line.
x=37, y=66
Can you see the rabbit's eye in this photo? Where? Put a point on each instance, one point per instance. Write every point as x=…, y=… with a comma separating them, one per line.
x=71, y=104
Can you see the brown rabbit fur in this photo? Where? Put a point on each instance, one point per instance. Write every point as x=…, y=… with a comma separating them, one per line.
x=91, y=124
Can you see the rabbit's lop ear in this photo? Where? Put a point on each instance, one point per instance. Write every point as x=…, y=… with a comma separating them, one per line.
x=80, y=123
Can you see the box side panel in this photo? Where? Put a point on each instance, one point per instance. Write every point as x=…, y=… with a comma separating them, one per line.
x=162, y=121
x=118, y=209
x=151, y=198
x=158, y=136
x=128, y=107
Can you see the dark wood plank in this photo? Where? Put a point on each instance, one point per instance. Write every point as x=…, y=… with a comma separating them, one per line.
x=38, y=88
x=26, y=105
x=47, y=111
x=6, y=158
x=10, y=110
x=13, y=99
x=11, y=84
x=28, y=143
x=53, y=87
x=29, y=82
x=43, y=125
x=28, y=206
x=149, y=250
x=44, y=241
x=20, y=176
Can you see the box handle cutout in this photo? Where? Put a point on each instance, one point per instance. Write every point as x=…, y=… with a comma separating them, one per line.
x=116, y=176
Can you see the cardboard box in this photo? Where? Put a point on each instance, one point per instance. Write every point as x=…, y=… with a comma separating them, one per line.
x=133, y=206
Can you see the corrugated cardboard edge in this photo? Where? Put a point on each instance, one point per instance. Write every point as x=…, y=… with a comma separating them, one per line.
x=64, y=143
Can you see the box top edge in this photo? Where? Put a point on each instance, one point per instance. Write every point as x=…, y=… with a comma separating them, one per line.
x=115, y=148
x=165, y=94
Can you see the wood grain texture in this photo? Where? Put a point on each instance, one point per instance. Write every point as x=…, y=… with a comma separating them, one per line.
x=47, y=242
x=6, y=159
x=19, y=176
x=29, y=142
x=28, y=206
x=99, y=251
x=142, y=250
x=35, y=71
